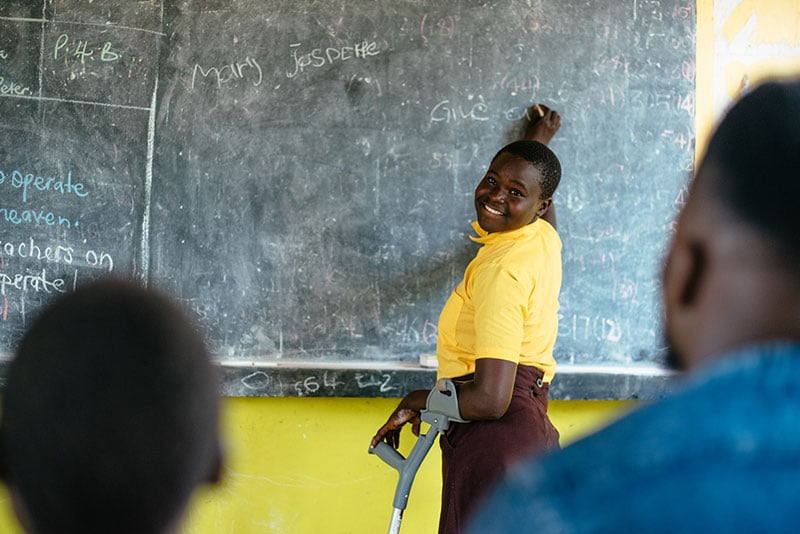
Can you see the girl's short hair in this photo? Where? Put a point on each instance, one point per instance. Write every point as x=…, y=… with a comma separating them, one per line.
x=540, y=157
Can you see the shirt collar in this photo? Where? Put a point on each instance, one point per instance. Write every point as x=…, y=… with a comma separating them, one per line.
x=485, y=238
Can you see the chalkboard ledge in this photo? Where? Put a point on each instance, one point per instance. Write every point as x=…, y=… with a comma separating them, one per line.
x=395, y=379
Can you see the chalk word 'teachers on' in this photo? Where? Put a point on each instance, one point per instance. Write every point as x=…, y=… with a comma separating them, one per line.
x=28, y=249
x=319, y=57
x=57, y=184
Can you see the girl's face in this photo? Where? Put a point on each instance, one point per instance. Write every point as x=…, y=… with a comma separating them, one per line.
x=508, y=196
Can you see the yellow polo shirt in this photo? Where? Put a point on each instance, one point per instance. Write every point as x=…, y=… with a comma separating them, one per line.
x=506, y=307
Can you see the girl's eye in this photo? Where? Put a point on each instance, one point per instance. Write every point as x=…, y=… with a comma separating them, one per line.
x=516, y=192
x=490, y=180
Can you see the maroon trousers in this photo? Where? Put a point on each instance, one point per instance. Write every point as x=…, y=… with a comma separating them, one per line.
x=477, y=455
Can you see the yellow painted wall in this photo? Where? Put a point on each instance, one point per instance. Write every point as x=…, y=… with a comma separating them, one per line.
x=300, y=465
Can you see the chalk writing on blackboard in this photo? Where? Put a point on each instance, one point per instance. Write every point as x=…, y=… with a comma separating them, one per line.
x=314, y=383
x=28, y=182
x=84, y=51
x=248, y=68
x=319, y=57
x=31, y=249
x=38, y=282
x=430, y=27
x=324, y=383
x=447, y=112
x=27, y=185
x=36, y=217
x=10, y=87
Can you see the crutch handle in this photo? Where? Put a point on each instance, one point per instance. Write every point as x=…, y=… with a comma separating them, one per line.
x=441, y=409
x=406, y=467
x=388, y=454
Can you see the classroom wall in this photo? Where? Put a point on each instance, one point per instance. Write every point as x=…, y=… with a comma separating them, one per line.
x=301, y=465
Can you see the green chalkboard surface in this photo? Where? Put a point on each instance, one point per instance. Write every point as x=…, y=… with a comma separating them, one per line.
x=300, y=174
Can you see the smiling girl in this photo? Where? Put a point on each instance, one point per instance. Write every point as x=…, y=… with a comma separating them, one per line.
x=498, y=328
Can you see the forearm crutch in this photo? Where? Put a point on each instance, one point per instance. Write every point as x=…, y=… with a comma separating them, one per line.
x=441, y=409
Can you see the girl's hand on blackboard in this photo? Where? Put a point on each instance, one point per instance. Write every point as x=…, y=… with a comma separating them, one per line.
x=543, y=124
x=406, y=412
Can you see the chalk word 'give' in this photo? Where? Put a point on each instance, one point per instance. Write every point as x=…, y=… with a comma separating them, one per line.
x=446, y=112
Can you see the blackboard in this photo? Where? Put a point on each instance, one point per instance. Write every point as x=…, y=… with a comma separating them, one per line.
x=300, y=174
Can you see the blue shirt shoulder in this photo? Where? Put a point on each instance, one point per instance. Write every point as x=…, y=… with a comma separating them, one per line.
x=720, y=453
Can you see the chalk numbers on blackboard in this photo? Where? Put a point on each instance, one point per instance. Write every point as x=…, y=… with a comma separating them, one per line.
x=580, y=327
x=519, y=85
x=327, y=383
x=454, y=160
x=684, y=139
x=685, y=11
x=312, y=384
x=431, y=27
x=324, y=383
x=84, y=50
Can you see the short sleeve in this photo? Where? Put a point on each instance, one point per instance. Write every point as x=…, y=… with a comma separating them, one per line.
x=501, y=303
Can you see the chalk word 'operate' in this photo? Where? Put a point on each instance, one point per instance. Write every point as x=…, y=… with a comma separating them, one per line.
x=36, y=283
x=319, y=57
x=29, y=181
x=446, y=112
x=238, y=70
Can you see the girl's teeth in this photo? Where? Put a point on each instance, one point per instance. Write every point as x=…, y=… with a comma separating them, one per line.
x=492, y=211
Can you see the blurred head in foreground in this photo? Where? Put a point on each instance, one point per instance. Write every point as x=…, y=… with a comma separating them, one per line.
x=110, y=414
x=732, y=275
